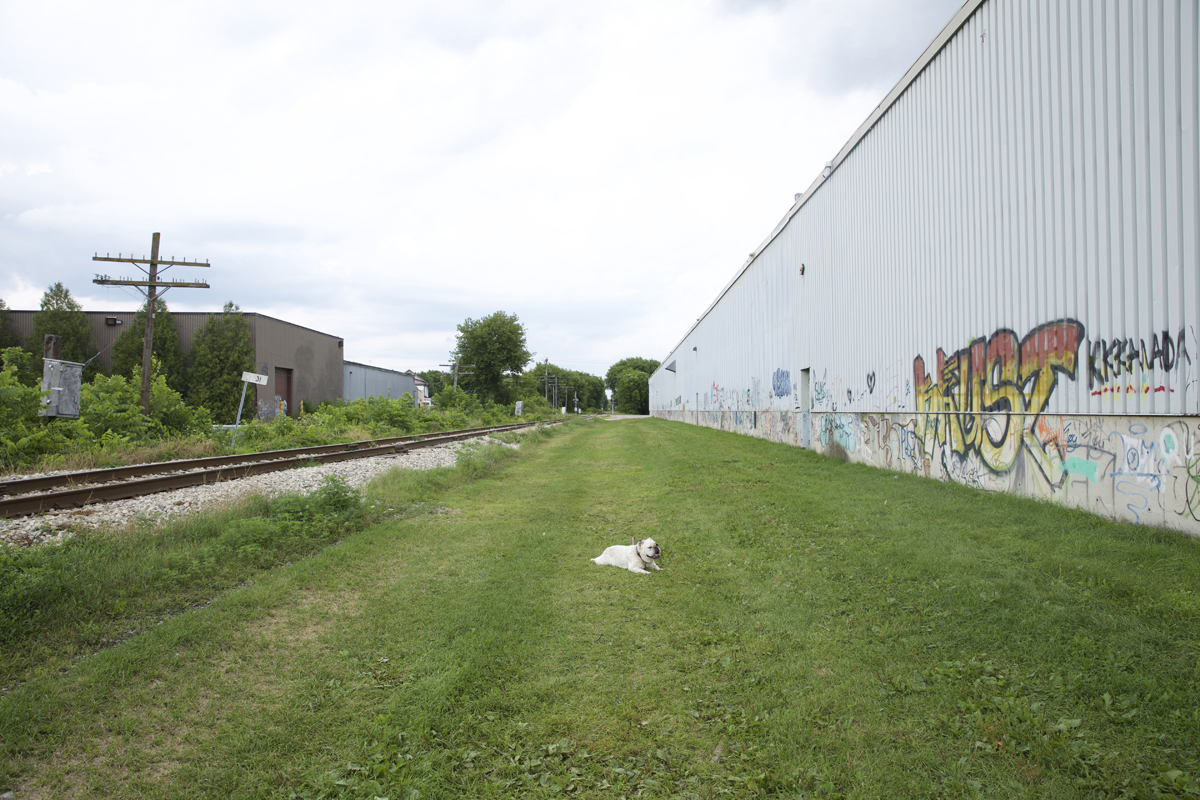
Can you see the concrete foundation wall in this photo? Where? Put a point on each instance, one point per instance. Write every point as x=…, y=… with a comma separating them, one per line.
x=1139, y=469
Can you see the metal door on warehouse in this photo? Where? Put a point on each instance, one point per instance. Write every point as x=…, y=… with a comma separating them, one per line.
x=283, y=392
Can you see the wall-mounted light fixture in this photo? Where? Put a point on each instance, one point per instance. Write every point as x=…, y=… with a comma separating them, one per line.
x=801, y=269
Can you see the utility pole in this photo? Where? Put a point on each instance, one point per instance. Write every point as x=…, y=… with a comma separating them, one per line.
x=457, y=371
x=151, y=294
x=551, y=387
x=551, y=381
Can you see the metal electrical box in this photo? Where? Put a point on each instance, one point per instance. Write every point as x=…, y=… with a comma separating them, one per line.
x=62, y=380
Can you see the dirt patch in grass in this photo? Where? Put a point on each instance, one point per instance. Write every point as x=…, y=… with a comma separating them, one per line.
x=310, y=616
x=114, y=759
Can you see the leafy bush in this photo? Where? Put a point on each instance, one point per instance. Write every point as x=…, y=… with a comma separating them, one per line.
x=536, y=404
x=397, y=414
x=112, y=408
x=249, y=541
x=23, y=434
x=336, y=498
x=449, y=399
x=335, y=507
x=168, y=408
x=281, y=433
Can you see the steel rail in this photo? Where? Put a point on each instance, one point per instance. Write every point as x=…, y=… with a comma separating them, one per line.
x=182, y=474
x=73, y=479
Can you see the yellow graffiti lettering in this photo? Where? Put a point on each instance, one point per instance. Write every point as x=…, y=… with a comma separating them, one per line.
x=988, y=396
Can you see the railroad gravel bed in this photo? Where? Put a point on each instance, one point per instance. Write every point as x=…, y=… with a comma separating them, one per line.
x=56, y=526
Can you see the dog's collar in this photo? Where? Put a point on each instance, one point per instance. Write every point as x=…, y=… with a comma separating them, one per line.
x=637, y=548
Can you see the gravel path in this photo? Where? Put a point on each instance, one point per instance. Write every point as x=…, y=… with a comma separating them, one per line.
x=54, y=527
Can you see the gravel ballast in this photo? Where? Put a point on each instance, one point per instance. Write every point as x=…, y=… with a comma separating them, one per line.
x=54, y=527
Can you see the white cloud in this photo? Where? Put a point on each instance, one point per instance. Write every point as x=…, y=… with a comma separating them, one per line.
x=382, y=171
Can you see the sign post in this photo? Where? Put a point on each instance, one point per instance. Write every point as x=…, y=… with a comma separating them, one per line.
x=247, y=379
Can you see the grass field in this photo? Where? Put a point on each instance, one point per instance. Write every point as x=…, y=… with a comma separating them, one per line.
x=819, y=629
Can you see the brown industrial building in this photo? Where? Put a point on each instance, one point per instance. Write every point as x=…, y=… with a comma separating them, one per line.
x=300, y=363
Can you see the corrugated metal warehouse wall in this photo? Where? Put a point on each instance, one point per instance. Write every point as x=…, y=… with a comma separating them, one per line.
x=300, y=362
x=362, y=381
x=1000, y=280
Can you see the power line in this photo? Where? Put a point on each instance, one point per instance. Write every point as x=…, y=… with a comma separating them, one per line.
x=459, y=370
x=150, y=292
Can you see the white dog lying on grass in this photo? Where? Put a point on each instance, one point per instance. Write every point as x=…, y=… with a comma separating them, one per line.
x=634, y=557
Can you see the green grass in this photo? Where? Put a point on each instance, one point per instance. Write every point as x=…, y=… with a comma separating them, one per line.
x=820, y=629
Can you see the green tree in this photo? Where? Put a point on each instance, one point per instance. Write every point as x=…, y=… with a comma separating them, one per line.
x=589, y=387
x=633, y=392
x=221, y=352
x=495, y=347
x=127, y=350
x=629, y=381
x=646, y=365
x=8, y=337
x=61, y=315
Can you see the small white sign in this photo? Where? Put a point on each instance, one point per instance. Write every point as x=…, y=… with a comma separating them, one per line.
x=254, y=377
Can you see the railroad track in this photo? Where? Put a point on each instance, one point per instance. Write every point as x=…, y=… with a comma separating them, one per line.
x=25, y=496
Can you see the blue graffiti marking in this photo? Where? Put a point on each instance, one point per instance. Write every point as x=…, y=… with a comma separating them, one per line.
x=840, y=428
x=781, y=382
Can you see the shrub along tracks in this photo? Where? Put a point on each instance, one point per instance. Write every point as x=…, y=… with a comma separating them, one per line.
x=27, y=496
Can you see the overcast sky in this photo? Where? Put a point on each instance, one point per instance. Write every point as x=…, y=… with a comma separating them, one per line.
x=382, y=171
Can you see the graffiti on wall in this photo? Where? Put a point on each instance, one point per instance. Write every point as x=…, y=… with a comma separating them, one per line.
x=889, y=391
x=820, y=390
x=839, y=429
x=781, y=383
x=979, y=416
x=985, y=399
x=1134, y=468
x=1109, y=361
x=1191, y=488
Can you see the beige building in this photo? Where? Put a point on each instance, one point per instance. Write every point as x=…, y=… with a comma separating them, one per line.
x=301, y=364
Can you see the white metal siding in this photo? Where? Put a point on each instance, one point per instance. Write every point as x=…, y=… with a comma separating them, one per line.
x=1043, y=167
x=1001, y=284
x=362, y=381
